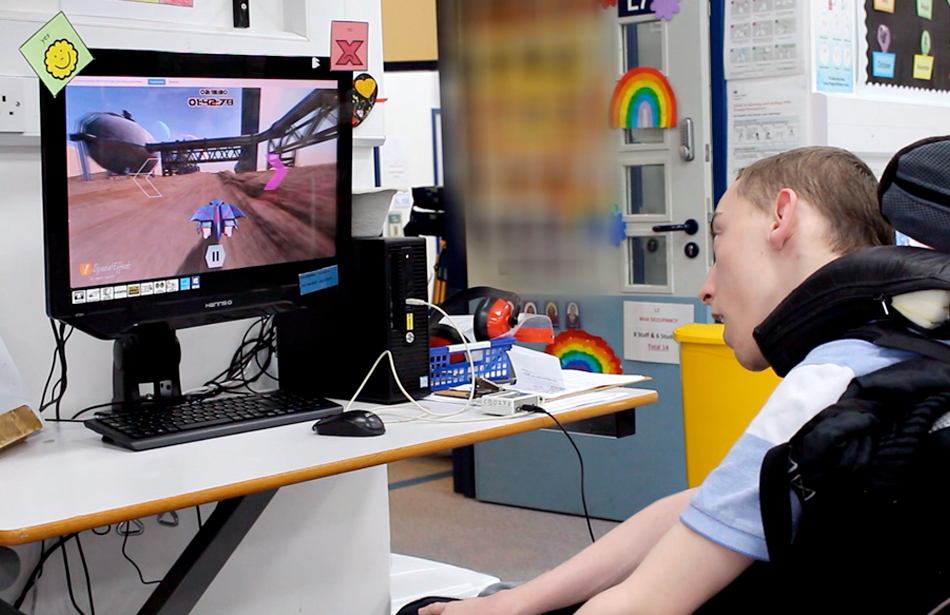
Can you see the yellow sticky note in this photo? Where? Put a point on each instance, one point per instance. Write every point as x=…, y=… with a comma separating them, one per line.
x=884, y=5
x=923, y=66
x=56, y=53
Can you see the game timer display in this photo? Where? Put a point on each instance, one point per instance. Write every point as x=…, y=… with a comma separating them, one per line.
x=182, y=189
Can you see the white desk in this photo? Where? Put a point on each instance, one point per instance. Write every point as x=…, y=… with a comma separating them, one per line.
x=65, y=479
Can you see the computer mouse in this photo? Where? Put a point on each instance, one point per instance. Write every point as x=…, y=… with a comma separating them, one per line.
x=351, y=423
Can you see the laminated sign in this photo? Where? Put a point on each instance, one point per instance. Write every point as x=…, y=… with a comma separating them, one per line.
x=648, y=330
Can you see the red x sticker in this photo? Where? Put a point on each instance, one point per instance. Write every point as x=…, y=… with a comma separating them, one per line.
x=348, y=45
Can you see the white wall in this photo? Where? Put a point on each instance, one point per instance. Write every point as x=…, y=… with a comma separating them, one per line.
x=278, y=27
x=406, y=160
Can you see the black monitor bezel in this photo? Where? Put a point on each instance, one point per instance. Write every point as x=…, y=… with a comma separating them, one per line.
x=224, y=295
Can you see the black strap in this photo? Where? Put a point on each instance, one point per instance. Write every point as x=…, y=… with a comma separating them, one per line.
x=890, y=335
x=774, y=494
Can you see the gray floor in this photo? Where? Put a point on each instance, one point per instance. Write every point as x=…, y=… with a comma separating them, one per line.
x=429, y=520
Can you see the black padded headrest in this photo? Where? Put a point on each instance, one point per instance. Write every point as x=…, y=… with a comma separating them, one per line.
x=845, y=294
x=914, y=192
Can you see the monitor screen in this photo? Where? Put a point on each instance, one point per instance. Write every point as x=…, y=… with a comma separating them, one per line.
x=188, y=189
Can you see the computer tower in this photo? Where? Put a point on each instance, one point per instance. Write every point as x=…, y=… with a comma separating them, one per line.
x=329, y=347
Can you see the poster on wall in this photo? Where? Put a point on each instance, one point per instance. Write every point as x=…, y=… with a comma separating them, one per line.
x=764, y=118
x=648, y=330
x=833, y=27
x=908, y=44
x=763, y=38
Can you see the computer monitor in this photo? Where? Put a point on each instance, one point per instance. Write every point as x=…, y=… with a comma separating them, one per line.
x=183, y=189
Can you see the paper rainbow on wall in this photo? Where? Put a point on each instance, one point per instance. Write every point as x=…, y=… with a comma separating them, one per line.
x=578, y=349
x=643, y=98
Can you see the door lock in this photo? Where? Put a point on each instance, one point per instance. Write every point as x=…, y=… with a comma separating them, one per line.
x=691, y=227
x=687, y=152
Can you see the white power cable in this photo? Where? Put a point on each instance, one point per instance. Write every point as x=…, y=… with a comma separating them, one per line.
x=428, y=415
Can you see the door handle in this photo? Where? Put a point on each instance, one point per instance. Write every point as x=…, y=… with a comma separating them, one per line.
x=691, y=227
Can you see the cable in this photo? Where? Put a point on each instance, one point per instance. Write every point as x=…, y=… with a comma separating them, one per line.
x=198, y=512
x=69, y=580
x=429, y=415
x=38, y=569
x=258, y=350
x=580, y=458
x=85, y=569
x=61, y=334
x=125, y=541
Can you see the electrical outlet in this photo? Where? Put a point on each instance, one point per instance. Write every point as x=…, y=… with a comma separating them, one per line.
x=12, y=105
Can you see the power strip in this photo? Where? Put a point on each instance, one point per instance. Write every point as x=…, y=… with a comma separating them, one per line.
x=507, y=402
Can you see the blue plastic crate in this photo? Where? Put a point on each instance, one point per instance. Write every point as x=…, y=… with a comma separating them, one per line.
x=449, y=366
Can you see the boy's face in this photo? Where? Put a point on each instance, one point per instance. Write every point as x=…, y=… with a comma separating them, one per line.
x=742, y=286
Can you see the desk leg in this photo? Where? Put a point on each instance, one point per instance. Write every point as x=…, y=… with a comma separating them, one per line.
x=206, y=554
x=7, y=609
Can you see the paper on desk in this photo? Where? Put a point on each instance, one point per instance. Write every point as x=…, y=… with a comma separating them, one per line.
x=541, y=373
x=536, y=372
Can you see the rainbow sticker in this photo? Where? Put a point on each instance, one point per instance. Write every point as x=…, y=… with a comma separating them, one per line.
x=643, y=98
x=578, y=349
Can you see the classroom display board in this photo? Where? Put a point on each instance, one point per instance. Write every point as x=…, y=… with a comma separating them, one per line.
x=909, y=43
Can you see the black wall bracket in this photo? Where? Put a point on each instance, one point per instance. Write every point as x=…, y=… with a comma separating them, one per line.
x=242, y=13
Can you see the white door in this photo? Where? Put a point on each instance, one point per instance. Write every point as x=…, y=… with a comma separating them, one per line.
x=665, y=174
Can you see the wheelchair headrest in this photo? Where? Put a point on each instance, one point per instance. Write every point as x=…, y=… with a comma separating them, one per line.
x=915, y=192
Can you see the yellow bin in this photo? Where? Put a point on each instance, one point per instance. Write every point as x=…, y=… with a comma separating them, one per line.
x=720, y=397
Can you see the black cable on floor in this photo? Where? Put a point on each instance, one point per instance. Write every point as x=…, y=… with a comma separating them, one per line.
x=580, y=458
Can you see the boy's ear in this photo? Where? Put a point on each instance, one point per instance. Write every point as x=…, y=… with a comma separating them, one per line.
x=784, y=209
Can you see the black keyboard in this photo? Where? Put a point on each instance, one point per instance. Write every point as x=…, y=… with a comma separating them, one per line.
x=150, y=424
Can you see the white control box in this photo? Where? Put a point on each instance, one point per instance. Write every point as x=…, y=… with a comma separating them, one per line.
x=507, y=402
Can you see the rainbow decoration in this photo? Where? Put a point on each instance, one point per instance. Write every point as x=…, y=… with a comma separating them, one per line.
x=578, y=349
x=643, y=98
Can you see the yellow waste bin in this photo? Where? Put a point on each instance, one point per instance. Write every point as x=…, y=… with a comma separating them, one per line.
x=720, y=397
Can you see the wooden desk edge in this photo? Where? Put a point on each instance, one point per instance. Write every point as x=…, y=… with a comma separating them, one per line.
x=155, y=507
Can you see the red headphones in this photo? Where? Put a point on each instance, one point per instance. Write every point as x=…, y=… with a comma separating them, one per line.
x=495, y=314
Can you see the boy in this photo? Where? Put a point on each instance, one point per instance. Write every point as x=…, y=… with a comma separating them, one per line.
x=783, y=220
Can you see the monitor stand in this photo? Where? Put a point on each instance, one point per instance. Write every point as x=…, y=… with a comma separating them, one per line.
x=148, y=355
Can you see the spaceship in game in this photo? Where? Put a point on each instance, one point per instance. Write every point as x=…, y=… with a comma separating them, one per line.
x=217, y=218
x=116, y=142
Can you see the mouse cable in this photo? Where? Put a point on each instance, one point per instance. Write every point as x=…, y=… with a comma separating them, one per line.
x=392, y=365
x=580, y=458
x=468, y=349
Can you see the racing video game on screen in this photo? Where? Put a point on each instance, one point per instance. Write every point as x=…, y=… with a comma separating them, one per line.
x=170, y=179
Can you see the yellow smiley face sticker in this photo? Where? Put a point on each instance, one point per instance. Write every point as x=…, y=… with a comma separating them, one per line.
x=61, y=59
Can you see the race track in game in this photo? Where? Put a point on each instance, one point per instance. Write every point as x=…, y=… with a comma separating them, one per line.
x=112, y=221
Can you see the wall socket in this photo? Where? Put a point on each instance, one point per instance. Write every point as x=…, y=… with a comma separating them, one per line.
x=12, y=105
